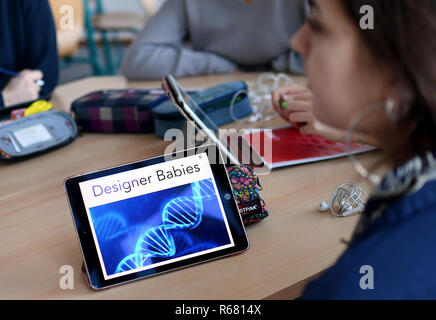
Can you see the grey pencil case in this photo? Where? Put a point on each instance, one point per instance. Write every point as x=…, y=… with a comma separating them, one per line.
x=36, y=134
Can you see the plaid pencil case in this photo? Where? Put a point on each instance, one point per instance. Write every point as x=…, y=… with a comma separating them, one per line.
x=246, y=189
x=117, y=111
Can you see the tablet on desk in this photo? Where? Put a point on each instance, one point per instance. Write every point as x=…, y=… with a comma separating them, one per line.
x=155, y=216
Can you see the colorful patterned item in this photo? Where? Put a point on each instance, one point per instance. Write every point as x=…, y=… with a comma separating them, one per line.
x=246, y=188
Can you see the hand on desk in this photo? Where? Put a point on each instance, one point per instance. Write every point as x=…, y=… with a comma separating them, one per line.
x=22, y=88
x=295, y=104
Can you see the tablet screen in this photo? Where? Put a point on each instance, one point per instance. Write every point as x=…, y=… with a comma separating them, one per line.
x=155, y=215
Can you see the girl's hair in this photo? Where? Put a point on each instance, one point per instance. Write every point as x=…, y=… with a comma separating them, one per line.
x=404, y=40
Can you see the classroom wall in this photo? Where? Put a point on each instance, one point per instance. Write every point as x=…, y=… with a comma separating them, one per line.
x=123, y=6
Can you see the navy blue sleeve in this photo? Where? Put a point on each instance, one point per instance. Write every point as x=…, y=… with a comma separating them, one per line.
x=41, y=45
x=396, y=259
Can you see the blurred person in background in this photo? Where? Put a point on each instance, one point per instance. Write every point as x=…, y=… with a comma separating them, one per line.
x=28, y=48
x=222, y=35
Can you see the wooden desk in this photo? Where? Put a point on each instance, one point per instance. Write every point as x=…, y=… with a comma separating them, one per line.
x=37, y=235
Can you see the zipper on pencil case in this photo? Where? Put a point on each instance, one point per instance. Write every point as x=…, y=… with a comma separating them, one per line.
x=221, y=102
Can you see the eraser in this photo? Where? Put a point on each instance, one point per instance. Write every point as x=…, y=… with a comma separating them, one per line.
x=17, y=114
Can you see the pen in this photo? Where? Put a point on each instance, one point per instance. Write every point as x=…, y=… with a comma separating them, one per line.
x=15, y=74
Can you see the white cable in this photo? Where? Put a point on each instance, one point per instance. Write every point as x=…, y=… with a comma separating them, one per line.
x=347, y=199
x=259, y=94
x=232, y=104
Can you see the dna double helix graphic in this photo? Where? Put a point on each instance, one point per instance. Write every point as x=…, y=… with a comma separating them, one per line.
x=181, y=213
x=111, y=226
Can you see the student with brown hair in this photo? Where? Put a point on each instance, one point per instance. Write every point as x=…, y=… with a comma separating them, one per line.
x=380, y=82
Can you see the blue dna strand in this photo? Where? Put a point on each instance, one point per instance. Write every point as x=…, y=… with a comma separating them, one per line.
x=181, y=213
x=110, y=227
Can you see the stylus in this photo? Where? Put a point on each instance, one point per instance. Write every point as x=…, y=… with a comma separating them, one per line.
x=16, y=74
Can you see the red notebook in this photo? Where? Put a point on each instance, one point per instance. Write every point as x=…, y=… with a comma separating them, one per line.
x=289, y=147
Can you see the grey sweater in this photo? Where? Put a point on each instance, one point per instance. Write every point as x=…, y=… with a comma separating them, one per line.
x=223, y=35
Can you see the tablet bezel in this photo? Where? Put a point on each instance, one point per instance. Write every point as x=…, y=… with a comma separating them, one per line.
x=86, y=240
x=176, y=94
